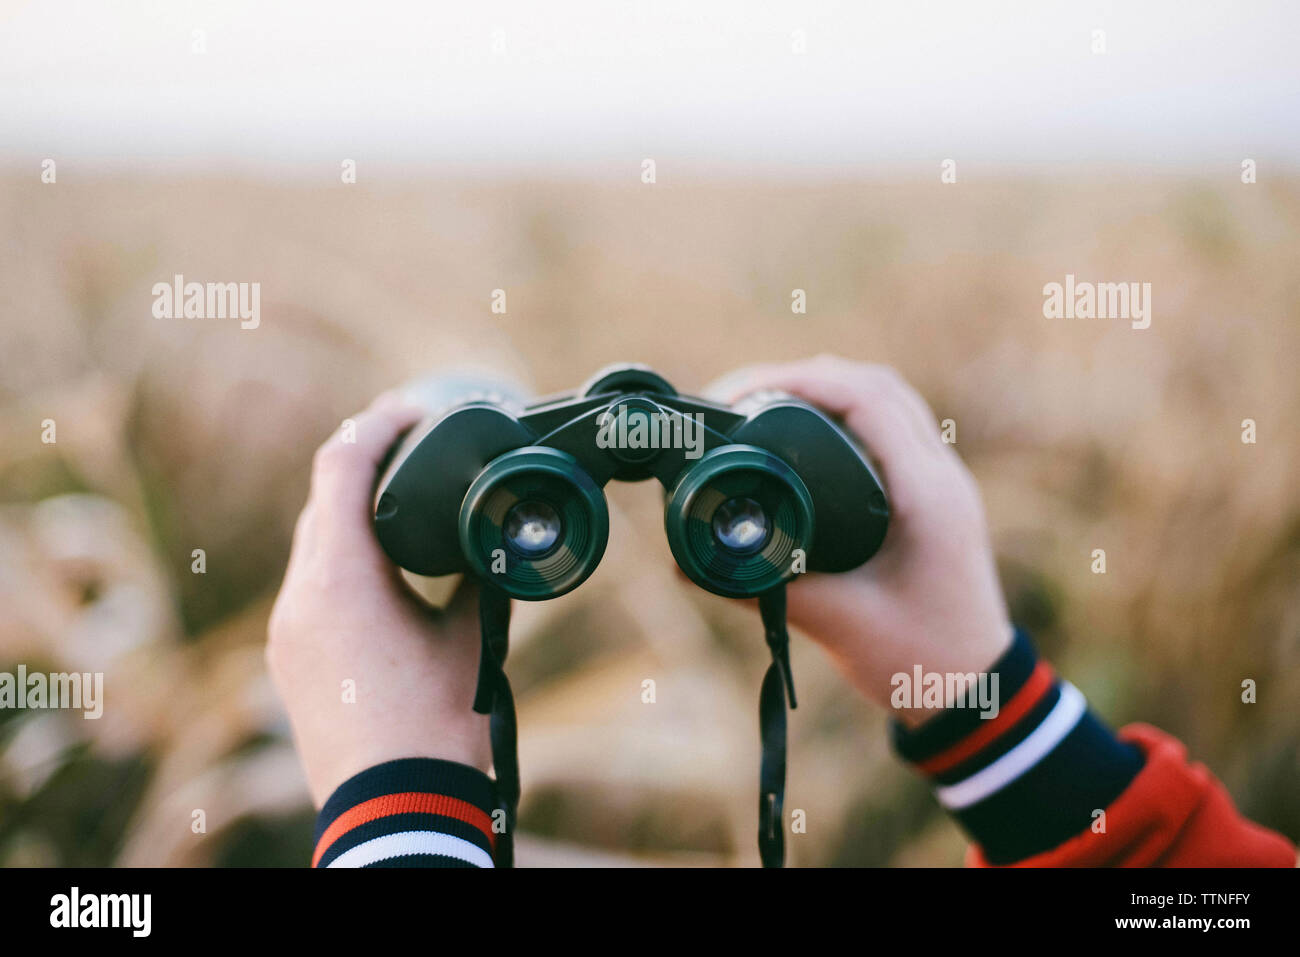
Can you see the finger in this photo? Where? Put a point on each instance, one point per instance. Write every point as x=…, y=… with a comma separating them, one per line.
x=344, y=468
x=835, y=384
x=304, y=539
x=735, y=384
x=872, y=401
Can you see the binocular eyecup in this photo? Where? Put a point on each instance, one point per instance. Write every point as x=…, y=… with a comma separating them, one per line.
x=738, y=521
x=536, y=524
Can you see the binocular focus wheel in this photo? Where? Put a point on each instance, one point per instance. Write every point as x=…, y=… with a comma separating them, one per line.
x=736, y=519
x=534, y=523
x=627, y=377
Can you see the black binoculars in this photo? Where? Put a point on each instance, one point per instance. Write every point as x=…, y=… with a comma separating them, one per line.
x=755, y=494
x=512, y=494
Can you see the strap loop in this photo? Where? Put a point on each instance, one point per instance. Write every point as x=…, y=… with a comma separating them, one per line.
x=493, y=696
x=778, y=682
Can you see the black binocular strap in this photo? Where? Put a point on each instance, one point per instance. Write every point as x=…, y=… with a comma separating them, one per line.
x=777, y=683
x=493, y=697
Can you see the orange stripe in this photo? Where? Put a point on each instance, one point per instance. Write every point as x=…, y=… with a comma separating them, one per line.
x=408, y=802
x=1021, y=703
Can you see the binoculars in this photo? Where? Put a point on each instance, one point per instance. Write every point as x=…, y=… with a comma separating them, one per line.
x=512, y=492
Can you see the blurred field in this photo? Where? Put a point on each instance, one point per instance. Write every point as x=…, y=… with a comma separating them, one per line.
x=183, y=434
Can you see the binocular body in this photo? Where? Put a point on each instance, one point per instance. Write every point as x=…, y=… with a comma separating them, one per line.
x=512, y=492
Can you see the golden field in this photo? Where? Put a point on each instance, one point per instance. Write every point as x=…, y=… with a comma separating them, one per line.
x=177, y=434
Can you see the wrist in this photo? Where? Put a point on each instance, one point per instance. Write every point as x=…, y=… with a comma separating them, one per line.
x=953, y=675
x=463, y=741
x=1030, y=771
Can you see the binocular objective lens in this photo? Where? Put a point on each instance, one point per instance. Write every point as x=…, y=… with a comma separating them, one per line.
x=740, y=525
x=532, y=528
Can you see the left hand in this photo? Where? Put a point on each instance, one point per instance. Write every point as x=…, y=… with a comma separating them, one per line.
x=344, y=614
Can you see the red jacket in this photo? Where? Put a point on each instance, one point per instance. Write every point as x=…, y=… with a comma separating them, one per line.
x=1173, y=814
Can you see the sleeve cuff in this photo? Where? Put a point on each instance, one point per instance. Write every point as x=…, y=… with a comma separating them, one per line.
x=1028, y=774
x=413, y=812
x=1173, y=814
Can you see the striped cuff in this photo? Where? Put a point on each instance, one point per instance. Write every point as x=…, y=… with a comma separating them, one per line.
x=413, y=812
x=1030, y=778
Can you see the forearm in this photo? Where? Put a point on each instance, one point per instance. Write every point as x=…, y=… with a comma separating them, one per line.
x=1027, y=785
x=1045, y=783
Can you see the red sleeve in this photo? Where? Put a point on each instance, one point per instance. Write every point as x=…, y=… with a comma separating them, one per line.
x=1173, y=814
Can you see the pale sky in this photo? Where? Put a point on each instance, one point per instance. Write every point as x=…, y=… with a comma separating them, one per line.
x=572, y=85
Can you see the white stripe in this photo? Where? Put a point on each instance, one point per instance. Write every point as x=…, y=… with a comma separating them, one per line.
x=1060, y=721
x=412, y=842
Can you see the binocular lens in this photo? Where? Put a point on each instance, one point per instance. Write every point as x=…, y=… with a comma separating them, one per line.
x=532, y=528
x=740, y=524
x=737, y=521
x=534, y=523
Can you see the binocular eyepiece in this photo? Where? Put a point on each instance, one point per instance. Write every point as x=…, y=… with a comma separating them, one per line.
x=535, y=522
x=739, y=521
x=514, y=493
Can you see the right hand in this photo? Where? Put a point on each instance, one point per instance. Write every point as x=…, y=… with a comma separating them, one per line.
x=931, y=595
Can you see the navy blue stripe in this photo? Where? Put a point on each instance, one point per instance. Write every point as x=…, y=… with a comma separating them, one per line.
x=409, y=774
x=951, y=725
x=396, y=823
x=1055, y=799
x=423, y=860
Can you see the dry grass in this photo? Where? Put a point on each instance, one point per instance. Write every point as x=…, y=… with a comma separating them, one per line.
x=182, y=434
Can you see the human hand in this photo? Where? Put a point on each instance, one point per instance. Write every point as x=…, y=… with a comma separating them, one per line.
x=344, y=614
x=931, y=595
